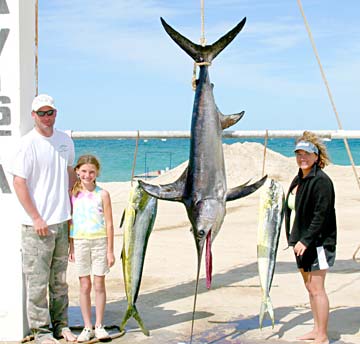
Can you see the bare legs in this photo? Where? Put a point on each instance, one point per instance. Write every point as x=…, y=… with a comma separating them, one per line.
x=319, y=302
x=85, y=299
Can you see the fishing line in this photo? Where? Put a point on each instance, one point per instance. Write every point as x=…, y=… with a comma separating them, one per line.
x=328, y=90
x=135, y=155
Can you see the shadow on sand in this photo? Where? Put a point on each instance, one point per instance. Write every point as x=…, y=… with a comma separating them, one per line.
x=343, y=320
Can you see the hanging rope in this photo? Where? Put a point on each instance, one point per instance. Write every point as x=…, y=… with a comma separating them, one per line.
x=37, y=47
x=328, y=91
x=135, y=155
x=203, y=43
x=265, y=147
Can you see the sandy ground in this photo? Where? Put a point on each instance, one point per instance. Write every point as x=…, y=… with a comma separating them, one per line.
x=228, y=312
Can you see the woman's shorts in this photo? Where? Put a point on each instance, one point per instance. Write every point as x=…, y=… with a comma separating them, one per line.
x=317, y=258
x=91, y=256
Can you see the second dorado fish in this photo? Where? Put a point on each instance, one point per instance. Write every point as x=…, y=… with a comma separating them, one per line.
x=270, y=219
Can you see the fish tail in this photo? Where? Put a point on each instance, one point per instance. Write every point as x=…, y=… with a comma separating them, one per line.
x=266, y=307
x=198, y=52
x=133, y=312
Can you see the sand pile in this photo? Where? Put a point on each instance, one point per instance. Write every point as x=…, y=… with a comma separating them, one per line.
x=244, y=161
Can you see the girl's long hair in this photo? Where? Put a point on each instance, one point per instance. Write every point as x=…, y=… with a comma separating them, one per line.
x=84, y=159
x=323, y=156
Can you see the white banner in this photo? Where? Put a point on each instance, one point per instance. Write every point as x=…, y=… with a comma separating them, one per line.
x=17, y=89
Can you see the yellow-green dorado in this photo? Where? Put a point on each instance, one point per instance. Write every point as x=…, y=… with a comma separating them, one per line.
x=271, y=211
x=137, y=222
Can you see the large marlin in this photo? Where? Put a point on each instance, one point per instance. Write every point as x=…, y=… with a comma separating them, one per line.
x=202, y=186
x=138, y=220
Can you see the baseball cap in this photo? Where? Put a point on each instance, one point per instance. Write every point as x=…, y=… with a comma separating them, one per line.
x=42, y=100
x=307, y=147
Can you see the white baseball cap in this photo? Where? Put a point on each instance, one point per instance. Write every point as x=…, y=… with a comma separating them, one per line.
x=42, y=100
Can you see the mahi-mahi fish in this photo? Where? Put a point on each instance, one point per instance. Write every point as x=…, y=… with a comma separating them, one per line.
x=271, y=211
x=138, y=221
x=202, y=186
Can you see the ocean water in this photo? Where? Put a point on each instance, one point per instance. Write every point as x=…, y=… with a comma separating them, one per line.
x=116, y=156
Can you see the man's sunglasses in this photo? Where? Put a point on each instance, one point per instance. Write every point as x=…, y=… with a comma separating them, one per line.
x=45, y=113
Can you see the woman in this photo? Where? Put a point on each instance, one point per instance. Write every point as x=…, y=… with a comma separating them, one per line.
x=311, y=227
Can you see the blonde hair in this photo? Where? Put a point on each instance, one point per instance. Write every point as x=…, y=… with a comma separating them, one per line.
x=323, y=156
x=84, y=159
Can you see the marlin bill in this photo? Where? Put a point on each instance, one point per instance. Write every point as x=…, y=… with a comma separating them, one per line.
x=271, y=210
x=137, y=222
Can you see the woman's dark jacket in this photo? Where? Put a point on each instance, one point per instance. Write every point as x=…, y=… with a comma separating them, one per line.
x=315, y=219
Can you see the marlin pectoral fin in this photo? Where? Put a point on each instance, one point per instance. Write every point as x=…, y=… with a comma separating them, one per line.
x=242, y=191
x=171, y=192
x=229, y=120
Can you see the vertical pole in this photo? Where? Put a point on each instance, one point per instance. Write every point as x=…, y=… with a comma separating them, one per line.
x=17, y=89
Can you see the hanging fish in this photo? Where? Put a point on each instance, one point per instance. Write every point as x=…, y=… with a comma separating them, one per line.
x=271, y=211
x=138, y=221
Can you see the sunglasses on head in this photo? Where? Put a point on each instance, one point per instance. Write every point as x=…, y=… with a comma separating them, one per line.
x=45, y=113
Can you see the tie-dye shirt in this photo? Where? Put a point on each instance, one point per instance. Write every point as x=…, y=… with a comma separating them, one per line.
x=88, y=215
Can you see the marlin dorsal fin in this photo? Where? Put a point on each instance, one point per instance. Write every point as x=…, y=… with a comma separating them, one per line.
x=229, y=120
x=242, y=191
x=171, y=192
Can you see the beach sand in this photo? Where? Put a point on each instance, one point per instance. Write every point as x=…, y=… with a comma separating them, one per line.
x=228, y=312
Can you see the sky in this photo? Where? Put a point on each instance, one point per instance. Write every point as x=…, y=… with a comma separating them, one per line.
x=111, y=66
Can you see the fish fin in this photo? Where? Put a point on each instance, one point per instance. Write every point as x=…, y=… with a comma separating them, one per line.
x=198, y=52
x=133, y=312
x=171, y=192
x=122, y=219
x=229, y=120
x=242, y=191
x=266, y=307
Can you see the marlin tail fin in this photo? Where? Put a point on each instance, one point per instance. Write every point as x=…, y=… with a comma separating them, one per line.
x=198, y=52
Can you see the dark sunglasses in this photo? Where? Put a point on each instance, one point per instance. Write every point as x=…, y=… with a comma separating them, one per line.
x=43, y=113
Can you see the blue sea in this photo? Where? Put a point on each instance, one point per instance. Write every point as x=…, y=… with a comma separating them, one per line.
x=116, y=156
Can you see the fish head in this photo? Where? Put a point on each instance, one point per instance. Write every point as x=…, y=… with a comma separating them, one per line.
x=206, y=217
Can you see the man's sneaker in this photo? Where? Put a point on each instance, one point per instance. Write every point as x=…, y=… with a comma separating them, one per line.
x=100, y=332
x=85, y=335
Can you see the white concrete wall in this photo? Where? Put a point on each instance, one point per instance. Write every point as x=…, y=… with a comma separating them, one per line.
x=17, y=89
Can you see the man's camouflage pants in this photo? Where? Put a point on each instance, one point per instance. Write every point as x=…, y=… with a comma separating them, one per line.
x=45, y=260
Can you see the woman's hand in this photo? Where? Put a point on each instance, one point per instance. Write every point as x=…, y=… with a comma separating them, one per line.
x=299, y=248
x=110, y=259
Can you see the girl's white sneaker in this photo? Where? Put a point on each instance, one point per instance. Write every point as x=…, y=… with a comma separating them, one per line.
x=85, y=335
x=100, y=332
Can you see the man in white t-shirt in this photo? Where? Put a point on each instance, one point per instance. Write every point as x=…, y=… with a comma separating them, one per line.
x=43, y=175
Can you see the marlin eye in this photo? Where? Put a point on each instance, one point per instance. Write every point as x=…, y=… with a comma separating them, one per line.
x=201, y=233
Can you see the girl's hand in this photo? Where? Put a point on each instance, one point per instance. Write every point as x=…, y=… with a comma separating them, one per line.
x=71, y=250
x=71, y=257
x=299, y=248
x=110, y=259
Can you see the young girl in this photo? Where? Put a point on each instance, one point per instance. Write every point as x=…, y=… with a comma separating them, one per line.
x=91, y=242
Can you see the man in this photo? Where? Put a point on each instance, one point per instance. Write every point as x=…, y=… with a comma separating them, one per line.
x=42, y=178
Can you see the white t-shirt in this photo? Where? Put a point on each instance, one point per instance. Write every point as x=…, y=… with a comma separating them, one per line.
x=43, y=162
